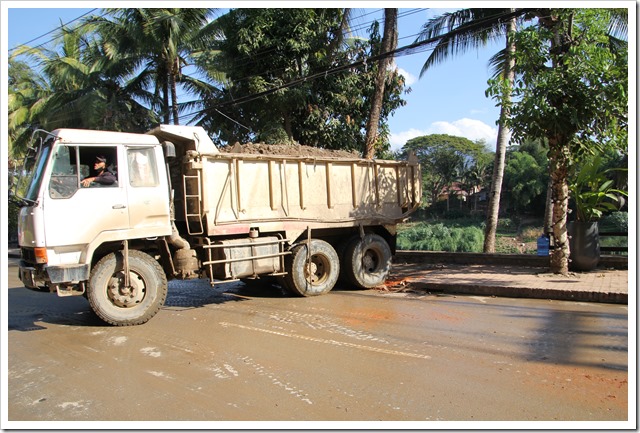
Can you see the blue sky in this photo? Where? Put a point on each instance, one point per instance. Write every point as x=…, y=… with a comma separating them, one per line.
x=449, y=98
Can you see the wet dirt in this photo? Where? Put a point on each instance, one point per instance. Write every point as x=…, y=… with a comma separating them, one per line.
x=242, y=354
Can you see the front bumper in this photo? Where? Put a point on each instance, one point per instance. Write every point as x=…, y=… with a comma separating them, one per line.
x=45, y=276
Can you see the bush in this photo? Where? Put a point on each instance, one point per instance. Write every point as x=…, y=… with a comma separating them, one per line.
x=615, y=222
x=438, y=237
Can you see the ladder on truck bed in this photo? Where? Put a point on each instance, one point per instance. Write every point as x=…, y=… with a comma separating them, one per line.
x=193, y=203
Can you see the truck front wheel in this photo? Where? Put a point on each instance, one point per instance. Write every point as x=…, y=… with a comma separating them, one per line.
x=314, y=272
x=119, y=305
x=367, y=261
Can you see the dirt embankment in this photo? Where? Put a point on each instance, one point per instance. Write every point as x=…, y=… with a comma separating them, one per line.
x=288, y=150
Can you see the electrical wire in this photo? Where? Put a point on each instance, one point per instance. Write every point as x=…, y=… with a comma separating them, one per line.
x=49, y=32
x=414, y=48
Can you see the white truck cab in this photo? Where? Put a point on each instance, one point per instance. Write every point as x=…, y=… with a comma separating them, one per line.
x=81, y=219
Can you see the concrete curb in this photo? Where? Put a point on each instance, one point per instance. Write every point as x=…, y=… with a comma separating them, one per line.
x=528, y=260
x=521, y=292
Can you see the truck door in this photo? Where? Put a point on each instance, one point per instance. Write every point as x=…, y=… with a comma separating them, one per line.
x=147, y=191
x=77, y=215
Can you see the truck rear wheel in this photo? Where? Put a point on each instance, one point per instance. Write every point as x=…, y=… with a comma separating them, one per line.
x=124, y=306
x=314, y=277
x=367, y=261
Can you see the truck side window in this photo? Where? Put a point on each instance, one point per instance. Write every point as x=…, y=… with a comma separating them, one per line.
x=142, y=167
x=98, y=167
x=64, y=173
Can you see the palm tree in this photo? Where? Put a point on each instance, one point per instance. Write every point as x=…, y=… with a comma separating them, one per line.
x=457, y=32
x=160, y=42
x=27, y=91
x=389, y=43
x=78, y=86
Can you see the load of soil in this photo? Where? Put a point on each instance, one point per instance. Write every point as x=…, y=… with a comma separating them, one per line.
x=289, y=150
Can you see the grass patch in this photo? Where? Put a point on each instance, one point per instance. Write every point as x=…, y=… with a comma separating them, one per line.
x=467, y=235
x=440, y=237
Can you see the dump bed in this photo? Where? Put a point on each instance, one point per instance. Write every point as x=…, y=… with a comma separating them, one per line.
x=231, y=193
x=286, y=193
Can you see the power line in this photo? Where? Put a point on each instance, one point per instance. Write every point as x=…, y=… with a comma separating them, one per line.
x=50, y=31
x=256, y=59
x=409, y=49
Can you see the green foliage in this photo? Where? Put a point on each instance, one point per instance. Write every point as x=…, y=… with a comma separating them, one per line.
x=445, y=159
x=593, y=191
x=80, y=84
x=524, y=179
x=266, y=49
x=576, y=92
x=13, y=211
x=615, y=222
x=571, y=89
x=121, y=71
x=440, y=237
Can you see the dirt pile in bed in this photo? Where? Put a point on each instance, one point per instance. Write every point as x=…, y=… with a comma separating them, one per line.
x=288, y=150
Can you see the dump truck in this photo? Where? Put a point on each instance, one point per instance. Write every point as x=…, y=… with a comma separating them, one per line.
x=179, y=208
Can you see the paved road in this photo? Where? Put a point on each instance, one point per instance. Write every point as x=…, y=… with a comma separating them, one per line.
x=233, y=353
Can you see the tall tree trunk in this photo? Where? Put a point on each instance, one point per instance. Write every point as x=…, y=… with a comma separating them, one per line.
x=165, y=101
x=548, y=208
x=559, y=156
x=501, y=148
x=559, y=159
x=389, y=43
x=174, y=91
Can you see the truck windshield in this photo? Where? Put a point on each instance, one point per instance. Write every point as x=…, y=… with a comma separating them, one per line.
x=29, y=178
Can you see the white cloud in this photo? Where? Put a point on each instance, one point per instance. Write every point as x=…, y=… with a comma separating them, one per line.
x=468, y=128
x=409, y=79
x=398, y=140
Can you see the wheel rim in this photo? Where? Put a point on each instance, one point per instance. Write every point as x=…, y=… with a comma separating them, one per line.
x=126, y=297
x=317, y=270
x=370, y=261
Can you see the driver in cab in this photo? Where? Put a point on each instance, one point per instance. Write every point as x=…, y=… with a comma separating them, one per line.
x=103, y=177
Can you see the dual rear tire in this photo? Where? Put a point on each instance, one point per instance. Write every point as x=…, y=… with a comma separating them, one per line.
x=366, y=261
x=314, y=268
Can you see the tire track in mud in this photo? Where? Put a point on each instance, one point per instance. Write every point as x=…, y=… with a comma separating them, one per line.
x=275, y=379
x=326, y=341
x=319, y=322
x=322, y=322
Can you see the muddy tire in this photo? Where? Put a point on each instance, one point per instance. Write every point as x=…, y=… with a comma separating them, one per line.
x=367, y=261
x=316, y=278
x=121, y=306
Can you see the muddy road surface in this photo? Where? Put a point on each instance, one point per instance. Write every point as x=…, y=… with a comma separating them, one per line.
x=236, y=353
